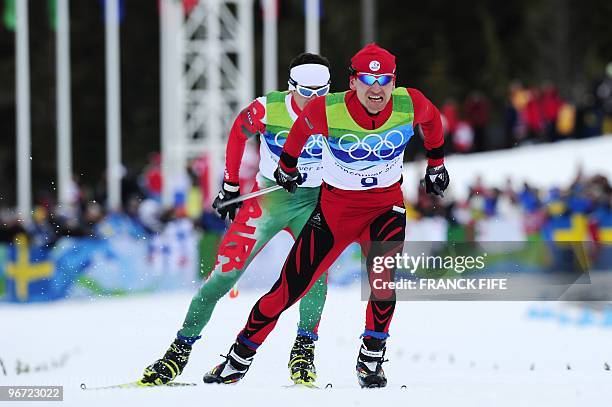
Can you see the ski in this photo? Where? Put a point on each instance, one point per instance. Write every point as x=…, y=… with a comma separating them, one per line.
x=136, y=384
x=310, y=386
x=302, y=386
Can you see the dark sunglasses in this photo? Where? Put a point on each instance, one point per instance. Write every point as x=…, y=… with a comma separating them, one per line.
x=370, y=78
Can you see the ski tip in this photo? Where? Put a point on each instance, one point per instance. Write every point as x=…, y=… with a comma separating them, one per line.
x=83, y=386
x=403, y=387
x=329, y=386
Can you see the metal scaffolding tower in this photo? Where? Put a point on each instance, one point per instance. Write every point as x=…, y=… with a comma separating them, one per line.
x=214, y=66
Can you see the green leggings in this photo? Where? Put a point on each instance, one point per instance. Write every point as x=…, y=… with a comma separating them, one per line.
x=256, y=223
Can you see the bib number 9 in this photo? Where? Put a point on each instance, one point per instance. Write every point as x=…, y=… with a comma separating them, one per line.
x=369, y=181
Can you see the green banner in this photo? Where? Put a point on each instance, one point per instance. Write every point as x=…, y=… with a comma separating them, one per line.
x=52, y=9
x=9, y=16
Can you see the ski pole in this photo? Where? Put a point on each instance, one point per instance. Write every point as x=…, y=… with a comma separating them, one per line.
x=249, y=196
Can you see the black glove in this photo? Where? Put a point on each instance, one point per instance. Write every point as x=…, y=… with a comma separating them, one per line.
x=229, y=191
x=288, y=179
x=436, y=180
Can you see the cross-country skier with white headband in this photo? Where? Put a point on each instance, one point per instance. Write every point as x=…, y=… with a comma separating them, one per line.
x=259, y=219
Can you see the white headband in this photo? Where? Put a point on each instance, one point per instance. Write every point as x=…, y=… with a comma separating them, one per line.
x=314, y=75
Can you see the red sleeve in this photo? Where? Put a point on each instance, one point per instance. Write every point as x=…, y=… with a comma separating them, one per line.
x=247, y=124
x=428, y=116
x=312, y=120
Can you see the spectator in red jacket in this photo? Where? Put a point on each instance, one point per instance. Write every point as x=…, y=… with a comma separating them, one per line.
x=477, y=108
x=534, y=116
x=551, y=103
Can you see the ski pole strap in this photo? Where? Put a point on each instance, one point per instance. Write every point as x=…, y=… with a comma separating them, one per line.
x=249, y=196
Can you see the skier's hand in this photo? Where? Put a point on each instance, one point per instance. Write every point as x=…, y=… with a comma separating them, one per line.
x=288, y=179
x=229, y=191
x=436, y=180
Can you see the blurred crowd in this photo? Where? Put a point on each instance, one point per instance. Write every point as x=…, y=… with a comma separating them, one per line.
x=540, y=211
x=532, y=114
x=142, y=212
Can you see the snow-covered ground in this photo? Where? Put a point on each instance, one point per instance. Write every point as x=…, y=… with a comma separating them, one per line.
x=445, y=353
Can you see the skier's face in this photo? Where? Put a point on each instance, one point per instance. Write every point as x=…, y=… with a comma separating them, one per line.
x=373, y=97
x=300, y=100
x=305, y=94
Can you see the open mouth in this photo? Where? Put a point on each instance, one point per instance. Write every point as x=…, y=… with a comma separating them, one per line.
x=375, y=98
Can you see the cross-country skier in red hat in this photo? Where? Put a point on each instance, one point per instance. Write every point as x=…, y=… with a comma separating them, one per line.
x=366, y=131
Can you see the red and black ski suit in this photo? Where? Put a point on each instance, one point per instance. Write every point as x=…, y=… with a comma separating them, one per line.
x=341, y=218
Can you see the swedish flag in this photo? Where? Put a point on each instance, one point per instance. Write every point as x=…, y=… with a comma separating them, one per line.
x=27, y=273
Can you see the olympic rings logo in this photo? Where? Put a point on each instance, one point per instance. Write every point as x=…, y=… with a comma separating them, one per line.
x=314, y=142
x=371, y=144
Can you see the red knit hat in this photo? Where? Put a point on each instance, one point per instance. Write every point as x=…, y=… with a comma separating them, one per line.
x=373, y=59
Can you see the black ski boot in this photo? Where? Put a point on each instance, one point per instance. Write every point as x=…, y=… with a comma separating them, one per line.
x=237, y=363
x=369, y=363
x=167, y=368
x=301, y=362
